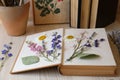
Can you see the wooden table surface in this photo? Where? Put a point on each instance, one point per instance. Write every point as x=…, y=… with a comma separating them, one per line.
x=41, y=74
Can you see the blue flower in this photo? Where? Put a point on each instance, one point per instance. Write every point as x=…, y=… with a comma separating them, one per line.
x=102, y=39
x=59, y=36
x=10, y=55
x=4, y=51
x=96, y=43
x=2, y=58
x=7, y=46
x=49, y=52
x=88, y=45
x=59, y=47
x=53, y=45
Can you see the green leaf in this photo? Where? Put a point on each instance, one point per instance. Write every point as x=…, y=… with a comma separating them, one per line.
x=44, y=12
x=30, y=60
x=38, y=6
x=49, y=1
x=52, y=5
x=88, y=56
x=57, y=11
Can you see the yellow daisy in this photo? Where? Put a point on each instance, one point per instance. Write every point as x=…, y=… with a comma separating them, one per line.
x=42, y=37
x=70, y=37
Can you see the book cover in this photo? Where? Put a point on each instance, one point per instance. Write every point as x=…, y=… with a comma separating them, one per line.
x=40, y=50
x=87, y=52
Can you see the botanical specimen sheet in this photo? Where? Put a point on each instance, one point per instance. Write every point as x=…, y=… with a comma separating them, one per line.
x=87, y=47
x=40, y=50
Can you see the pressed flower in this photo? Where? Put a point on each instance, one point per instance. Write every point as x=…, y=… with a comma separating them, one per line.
x=49, y=52
x=58, y=46
x=96, y=43
x=7, y=46
x=4, y=51
x=43, y=37
x=39, y=48
x=2, y=58
x=60, y=0
x=10, y=54
x=59, y=36
x=70, y=37
x=102, y=39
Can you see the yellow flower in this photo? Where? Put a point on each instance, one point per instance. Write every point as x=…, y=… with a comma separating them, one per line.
x=42, y=37
x=70, y=37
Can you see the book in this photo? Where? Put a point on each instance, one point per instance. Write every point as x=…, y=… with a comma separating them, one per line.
x=39, y=50
x=80, y=11
x=94, y=10
x=103, y=13
x=87, y=52
x=74, y=13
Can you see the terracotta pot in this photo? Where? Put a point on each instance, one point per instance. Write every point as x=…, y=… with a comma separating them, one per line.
x=14, y=19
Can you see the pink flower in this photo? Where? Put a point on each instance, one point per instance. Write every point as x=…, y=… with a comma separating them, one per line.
x=60, y=0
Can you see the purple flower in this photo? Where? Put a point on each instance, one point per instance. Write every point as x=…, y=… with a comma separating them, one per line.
x=59, y=47
x=102, y=39
x=10, y=54
x=54, y=39
x=7, y=46
x=49, y=52
x=2, y=58
x=88, y=45
x=4, y=51
x=96, y=43
x=53, y=45
x=59, y=36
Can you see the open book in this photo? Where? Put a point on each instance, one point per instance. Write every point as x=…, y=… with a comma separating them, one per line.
x=76, y=51
x=40, y=50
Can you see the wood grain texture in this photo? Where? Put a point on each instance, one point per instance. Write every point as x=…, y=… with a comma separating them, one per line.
x=41, y=74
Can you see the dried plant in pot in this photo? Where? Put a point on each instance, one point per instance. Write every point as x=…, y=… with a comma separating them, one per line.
x=14, y=19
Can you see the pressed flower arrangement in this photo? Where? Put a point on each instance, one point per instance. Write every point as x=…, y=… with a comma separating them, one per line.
x=5, y=54
x=42, y=51
x=84, y=43
x=48, y=6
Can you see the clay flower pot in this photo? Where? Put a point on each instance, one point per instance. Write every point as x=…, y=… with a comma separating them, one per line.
x=14, y=19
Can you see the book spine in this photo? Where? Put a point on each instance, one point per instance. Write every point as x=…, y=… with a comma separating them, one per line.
x=85, y=13
x=94, y=10
x=74, y=13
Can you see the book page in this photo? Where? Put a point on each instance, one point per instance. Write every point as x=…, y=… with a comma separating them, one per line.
x=40, y=50
x=87, y=47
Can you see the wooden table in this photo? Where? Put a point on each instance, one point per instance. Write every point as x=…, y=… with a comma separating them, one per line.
x=41, y=74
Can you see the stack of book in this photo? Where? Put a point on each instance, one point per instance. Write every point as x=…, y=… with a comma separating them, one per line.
x=93, y=13
x=82, y=52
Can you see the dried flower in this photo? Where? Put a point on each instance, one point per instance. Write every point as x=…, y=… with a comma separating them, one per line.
x=5, y=54
x=43, y=37
x=70, y=37
x=42, y=49
x=79, y=49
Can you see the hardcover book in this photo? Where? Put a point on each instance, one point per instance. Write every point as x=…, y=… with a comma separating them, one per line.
x=87, y=52
x=40, y=50
x=80, y=12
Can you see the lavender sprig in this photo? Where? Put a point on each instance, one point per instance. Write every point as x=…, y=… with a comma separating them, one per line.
x=5, y=54
x=79, y=49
